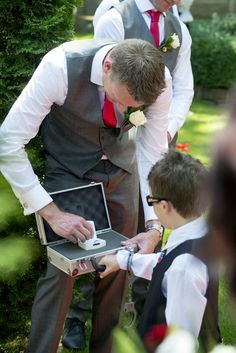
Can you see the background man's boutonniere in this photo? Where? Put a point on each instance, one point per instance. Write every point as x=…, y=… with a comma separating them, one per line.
x=172, y=42
x=135, y=116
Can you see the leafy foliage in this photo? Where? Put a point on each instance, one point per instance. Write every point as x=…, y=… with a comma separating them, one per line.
x=214, y=51
x=29, y=29
x=21, y=259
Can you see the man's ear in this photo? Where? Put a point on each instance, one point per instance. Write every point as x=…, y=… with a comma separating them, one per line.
x=107, y=65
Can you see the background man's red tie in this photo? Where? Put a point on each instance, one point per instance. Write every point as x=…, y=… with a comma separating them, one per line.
x=154, y=28
x=108, y=113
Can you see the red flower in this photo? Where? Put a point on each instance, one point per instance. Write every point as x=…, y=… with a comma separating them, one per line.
x=155, y=336
x=184, y=147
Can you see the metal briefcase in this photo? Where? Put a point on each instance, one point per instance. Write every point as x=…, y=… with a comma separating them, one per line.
x=89, y=202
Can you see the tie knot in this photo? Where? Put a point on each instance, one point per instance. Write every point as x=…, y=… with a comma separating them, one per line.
x=155, y=15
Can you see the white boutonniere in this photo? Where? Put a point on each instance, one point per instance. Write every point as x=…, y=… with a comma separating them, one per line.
x=172, y=42
x=135, y=116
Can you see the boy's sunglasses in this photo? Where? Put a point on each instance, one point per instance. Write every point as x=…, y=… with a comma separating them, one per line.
x=154, y=199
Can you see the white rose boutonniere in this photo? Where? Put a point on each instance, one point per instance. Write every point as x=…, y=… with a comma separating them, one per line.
x=172, y=42
x=135, y=116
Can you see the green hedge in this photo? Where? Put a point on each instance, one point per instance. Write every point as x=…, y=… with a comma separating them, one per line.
x=214, y=51
x=29, y=28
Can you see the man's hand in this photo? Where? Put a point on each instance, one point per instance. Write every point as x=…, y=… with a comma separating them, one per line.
x=147, y=242
x=67, y=225
x=111, y=264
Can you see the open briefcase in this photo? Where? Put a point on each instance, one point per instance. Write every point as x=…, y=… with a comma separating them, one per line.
x=88, y=202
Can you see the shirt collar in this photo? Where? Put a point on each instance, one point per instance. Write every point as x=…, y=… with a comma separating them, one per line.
x=97, y=70
x=192, y=230
x=145, y=5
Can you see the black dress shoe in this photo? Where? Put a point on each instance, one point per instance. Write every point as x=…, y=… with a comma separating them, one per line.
x=74, y=334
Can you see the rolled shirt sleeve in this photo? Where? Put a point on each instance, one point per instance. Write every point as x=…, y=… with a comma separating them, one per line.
x=182, y=79
x=152, y=141
x=142, y=265
x=48, y=85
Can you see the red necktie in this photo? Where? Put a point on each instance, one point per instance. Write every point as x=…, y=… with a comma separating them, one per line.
x=108, y=113
x=154, y=29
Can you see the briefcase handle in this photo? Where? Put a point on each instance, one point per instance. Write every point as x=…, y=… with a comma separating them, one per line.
x=96, y=266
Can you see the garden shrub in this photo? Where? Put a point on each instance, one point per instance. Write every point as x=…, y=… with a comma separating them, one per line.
x=29, y=29
x=214, y=51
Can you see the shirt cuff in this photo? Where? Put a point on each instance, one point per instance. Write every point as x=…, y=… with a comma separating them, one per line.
x=122, y=258
x=34, y=200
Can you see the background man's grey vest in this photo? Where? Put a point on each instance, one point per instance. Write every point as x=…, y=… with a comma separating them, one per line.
x=136, y=27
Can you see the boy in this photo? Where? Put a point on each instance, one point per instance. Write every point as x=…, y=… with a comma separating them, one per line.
x=182, y=292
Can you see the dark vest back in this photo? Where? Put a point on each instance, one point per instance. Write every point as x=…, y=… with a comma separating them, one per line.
x=155, y=305
x=136, y=27
x=74, y=135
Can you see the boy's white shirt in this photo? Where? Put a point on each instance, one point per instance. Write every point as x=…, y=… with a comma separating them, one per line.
x=185, y=282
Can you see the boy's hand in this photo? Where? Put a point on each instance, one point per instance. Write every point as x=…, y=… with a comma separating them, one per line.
x=147, y=241
x=111, y=265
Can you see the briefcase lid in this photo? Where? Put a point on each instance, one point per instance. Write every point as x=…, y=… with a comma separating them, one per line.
x=87, y=201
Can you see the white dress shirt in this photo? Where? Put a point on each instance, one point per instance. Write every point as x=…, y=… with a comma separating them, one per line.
x=49, y=85
x=103, y=7
x=185, y=282
x=110, y=25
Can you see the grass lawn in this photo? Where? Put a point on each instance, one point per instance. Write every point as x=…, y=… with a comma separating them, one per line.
x=203, y=122
x=199, y=130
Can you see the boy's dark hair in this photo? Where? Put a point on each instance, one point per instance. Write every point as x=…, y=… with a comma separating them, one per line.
x=181, y=179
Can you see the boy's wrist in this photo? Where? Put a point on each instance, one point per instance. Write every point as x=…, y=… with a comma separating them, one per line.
x=122, y=258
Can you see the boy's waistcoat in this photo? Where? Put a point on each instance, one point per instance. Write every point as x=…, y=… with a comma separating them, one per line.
x=155, y=304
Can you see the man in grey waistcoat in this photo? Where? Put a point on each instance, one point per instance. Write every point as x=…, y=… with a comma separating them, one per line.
x=118, y=20
x=70, y=99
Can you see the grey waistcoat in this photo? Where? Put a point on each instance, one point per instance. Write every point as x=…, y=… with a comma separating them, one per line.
x=74, y=135
x=136, y=27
